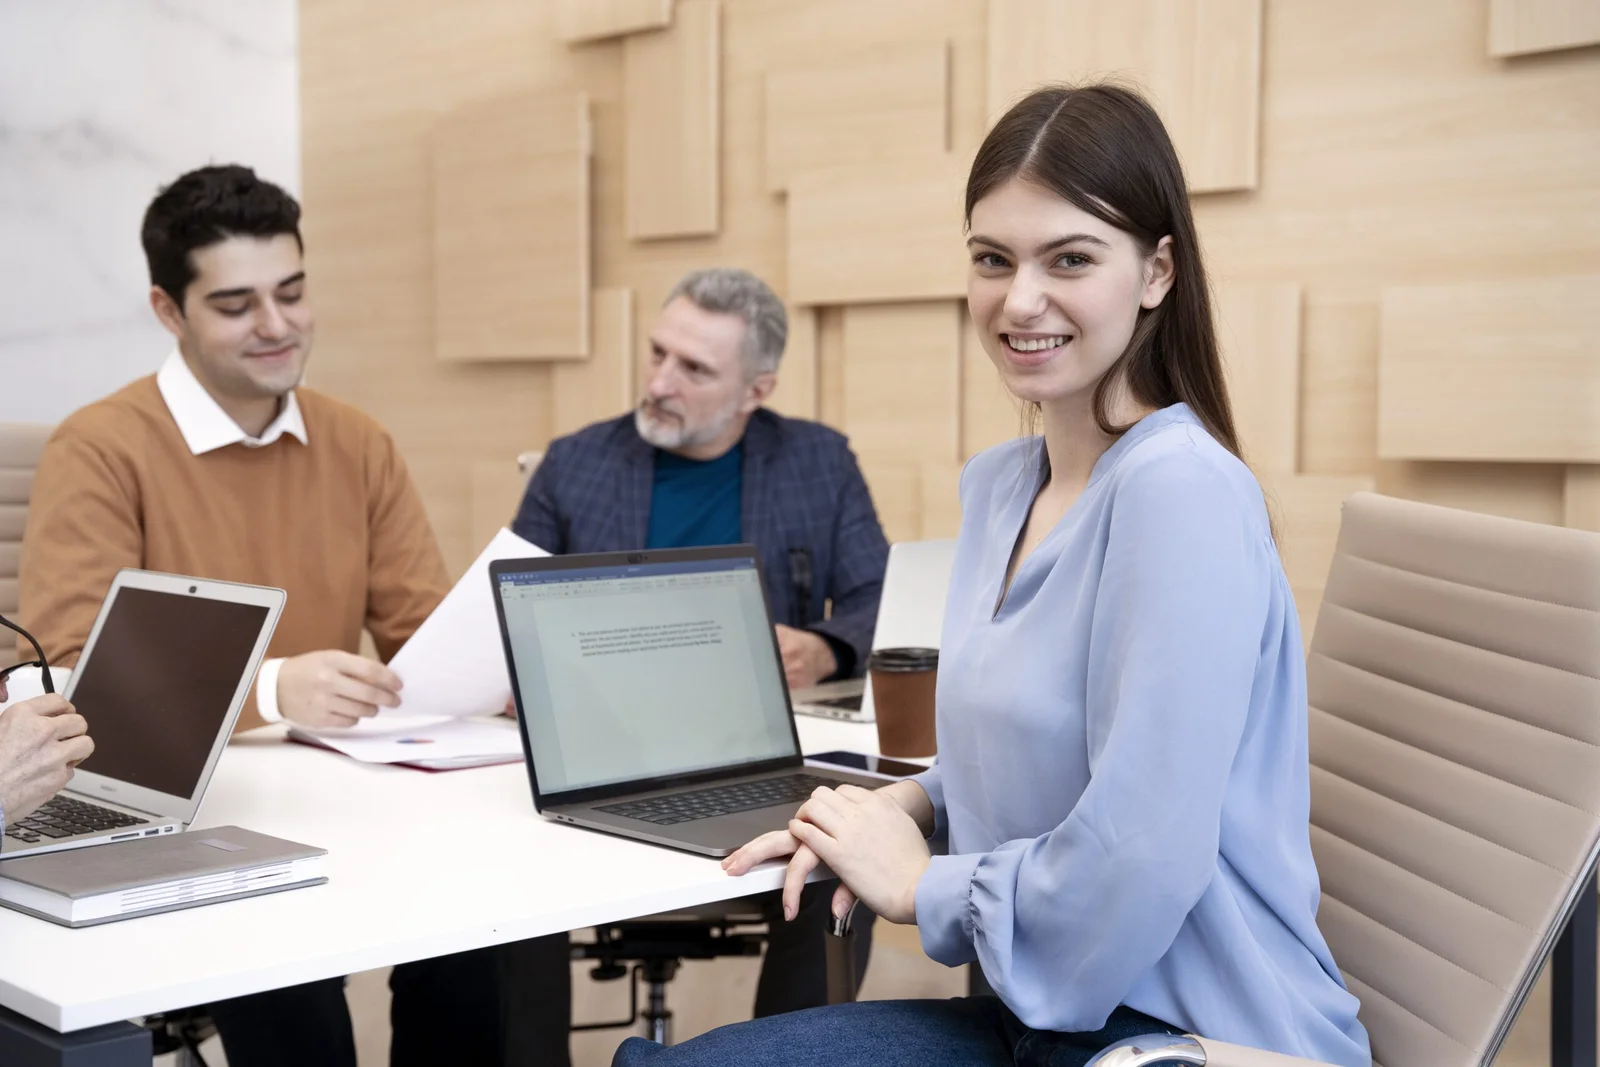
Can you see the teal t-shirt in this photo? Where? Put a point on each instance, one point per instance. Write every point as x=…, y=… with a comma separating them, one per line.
x=696, y=502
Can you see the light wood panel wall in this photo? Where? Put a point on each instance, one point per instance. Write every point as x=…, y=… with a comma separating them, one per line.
x=511, y=228
x=1393, y=150
x=672, y=106
x=1518, y=27
x=1200, y=61
x=798, y=382
x=1305, y=509
x=1491, y=371
x=1580, y=498
x=589, y=20
x=859, y=107
x=601, y=386
x=1258, y=331
x=877, y=231
x=902, y=381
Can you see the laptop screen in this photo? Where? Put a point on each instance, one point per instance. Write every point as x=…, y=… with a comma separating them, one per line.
x=158, y=683
x=644, y=670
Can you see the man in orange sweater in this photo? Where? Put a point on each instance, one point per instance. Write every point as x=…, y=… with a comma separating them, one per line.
x=220, y=466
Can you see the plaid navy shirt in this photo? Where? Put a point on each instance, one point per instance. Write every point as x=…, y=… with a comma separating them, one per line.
x=802, y=490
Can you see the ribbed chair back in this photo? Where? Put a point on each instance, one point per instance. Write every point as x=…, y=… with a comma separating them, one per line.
x=1454, y=683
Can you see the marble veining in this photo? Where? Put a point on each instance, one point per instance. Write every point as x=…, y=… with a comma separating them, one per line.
x=102, y=102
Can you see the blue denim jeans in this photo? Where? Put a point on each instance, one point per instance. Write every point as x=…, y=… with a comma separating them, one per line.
x=969, y=1032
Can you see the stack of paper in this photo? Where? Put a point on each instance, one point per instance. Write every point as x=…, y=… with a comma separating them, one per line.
x=455, y=663
x=432, y=742
x=455, y=683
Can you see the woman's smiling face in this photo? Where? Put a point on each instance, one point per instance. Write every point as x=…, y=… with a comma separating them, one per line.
x=1054, y=291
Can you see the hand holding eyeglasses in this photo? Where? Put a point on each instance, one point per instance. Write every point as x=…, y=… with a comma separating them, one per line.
x=41, y=741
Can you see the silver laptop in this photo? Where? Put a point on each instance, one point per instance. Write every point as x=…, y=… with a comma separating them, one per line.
x=161, y=680
x=650, y=695
x=910, y=615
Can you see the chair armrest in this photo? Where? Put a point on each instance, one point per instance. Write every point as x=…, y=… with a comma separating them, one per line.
x=1160, y=1050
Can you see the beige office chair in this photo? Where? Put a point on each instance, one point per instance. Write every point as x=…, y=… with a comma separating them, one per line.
x=1455, y=776
x=21, y=445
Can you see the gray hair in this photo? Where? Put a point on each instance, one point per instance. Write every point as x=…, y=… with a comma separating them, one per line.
x=732, y=291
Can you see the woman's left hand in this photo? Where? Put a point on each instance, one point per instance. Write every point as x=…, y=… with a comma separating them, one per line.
x=870, y=843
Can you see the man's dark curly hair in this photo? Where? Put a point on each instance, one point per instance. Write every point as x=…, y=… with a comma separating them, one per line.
x=204, y=207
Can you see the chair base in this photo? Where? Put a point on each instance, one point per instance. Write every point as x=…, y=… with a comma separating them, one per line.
x=657, y=949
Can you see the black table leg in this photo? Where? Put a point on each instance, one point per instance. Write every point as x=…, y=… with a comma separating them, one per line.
x=25, y=1043
x=1573, y=989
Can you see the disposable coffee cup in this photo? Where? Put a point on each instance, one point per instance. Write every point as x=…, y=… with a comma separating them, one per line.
x=903, y=683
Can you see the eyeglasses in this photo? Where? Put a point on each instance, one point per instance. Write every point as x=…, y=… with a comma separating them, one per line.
x=44, y=668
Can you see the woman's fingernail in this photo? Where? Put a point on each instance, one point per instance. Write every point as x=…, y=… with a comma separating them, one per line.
x=788, y=913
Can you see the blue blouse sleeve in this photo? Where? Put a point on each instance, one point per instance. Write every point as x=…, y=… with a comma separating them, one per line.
x=932, y=783
x=1065, y=924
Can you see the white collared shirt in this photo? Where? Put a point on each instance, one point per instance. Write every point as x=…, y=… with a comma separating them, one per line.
x=203, y=423
x=205, y=428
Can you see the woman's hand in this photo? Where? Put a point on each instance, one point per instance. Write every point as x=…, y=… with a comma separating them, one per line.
x=802, y=861
x=868, y=840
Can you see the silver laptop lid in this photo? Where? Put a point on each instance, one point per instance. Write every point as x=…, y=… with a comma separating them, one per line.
x=640, y=669
x=162, y=679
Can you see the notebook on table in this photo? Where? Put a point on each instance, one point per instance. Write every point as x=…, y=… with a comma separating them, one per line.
x=149, y=876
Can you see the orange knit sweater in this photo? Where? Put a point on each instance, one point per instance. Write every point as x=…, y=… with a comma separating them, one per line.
x=336, y=522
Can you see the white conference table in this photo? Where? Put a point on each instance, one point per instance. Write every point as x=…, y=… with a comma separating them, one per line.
x=419, y=864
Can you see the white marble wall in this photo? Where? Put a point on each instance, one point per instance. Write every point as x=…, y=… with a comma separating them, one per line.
x=101, y=103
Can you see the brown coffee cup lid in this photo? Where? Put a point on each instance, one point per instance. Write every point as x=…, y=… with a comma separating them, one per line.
x=906, y=660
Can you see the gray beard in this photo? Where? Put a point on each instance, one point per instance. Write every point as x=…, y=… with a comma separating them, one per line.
x=671, y=437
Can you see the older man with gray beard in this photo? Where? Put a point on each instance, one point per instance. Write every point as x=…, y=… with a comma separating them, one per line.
x=701, y=462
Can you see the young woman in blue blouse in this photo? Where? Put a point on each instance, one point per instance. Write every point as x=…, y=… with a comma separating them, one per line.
x=1122, y=769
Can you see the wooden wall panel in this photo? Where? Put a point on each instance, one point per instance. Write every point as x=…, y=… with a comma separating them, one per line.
x=511, y=228
x=1200, y=60
x=1258, y=331
x=495, y=492
x=896, y=490
x=1338, y=381
x=1581, y=498
x=1531, y=492
x=1517, y=27
x=858, y=107
x=1306, y=511
x=1503, y=370
x=602, y=386
x=798, y=380
x=672, y=108
x=877, y=232
x=830, y=365
x=902, y=372
x=941, y=500
x=1389, y=136
x=989, y=413
x=589, y=20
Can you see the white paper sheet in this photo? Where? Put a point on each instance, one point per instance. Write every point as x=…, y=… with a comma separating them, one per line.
x=422, y=739
x=455, y=665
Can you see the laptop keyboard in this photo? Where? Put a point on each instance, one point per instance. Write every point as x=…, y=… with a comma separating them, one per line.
x=65, y=817
x=719, y=800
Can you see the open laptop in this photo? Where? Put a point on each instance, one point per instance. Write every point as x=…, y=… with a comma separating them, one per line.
x=910, y=615
x=161, y=680
x=650, y=695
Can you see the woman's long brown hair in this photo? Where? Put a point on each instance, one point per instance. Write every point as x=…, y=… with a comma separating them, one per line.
x=1102, y=148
